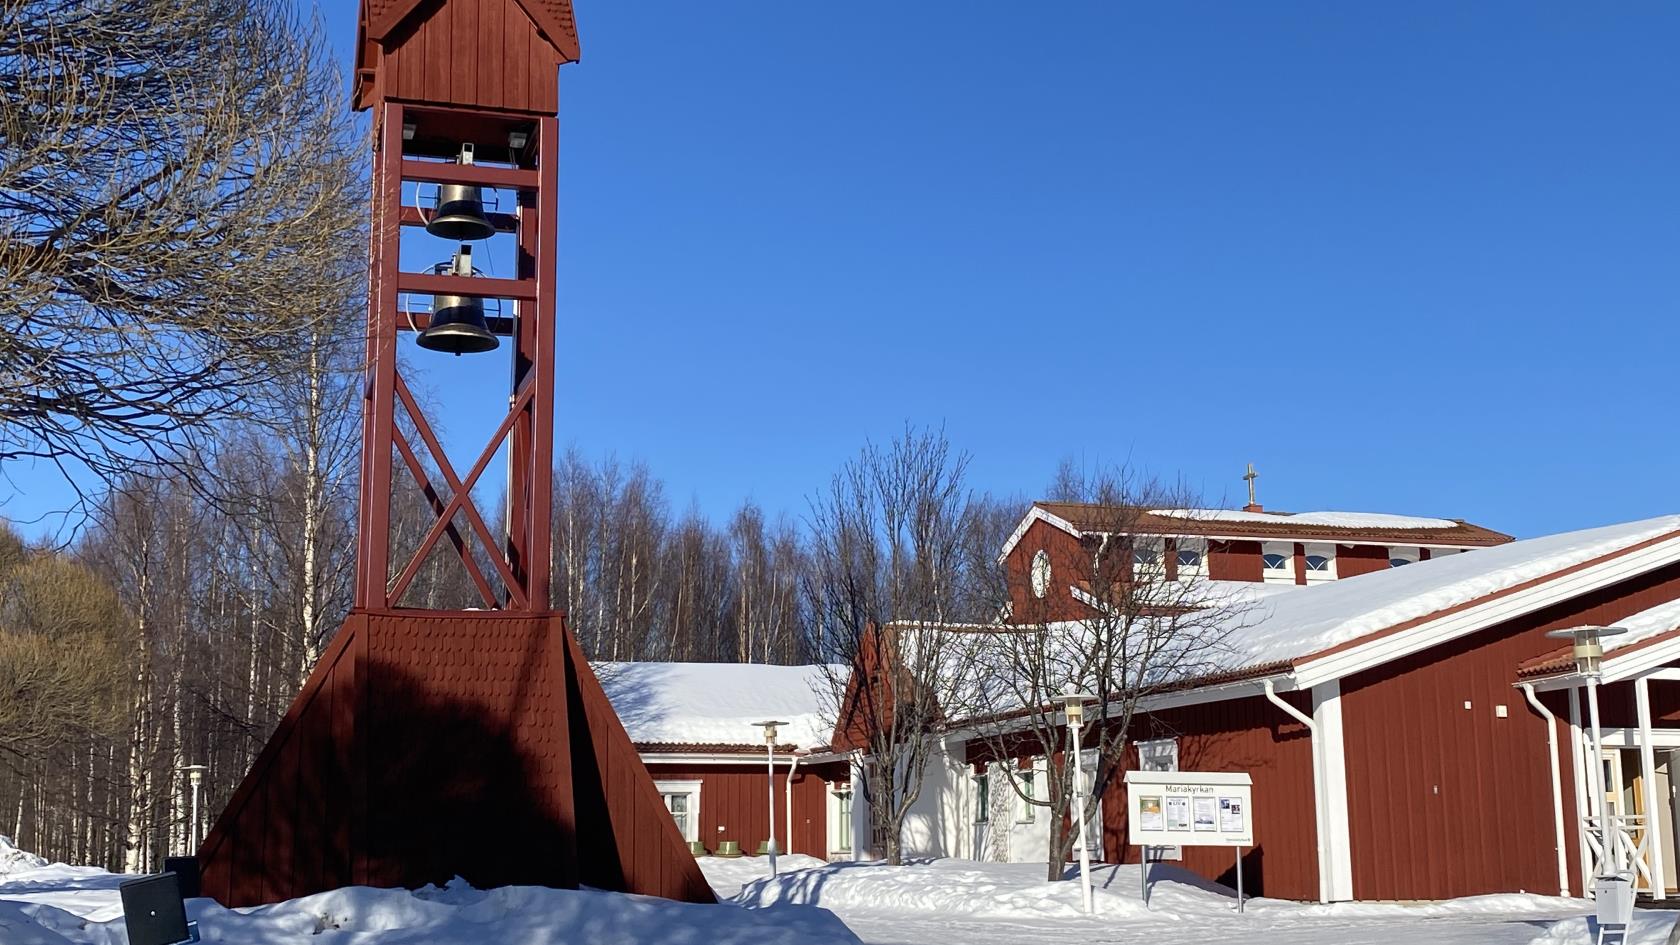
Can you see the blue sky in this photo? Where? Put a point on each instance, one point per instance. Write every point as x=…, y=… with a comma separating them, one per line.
x=1415, y=257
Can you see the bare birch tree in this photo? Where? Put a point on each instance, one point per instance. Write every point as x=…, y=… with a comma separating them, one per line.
x=178, y=194
x=1147, y=625
x=887, y=563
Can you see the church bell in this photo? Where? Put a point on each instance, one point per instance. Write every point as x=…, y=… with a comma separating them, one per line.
x=457, y=326
x=460, y=209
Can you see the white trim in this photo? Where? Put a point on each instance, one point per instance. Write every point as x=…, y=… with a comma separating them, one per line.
x=1327, y=717
x=1664, y=738
x=1393, y=646
x=1577, y=761
x=701, y=757
x=1034, y=514
x=690, y=788
x=1648, y=775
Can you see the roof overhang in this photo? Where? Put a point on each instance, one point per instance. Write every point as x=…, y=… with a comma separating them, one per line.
x=1408, y=638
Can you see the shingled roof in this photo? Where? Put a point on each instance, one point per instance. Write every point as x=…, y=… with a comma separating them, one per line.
x=553, y=17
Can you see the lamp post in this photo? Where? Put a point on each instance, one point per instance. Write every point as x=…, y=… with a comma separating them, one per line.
x=769, y=727
x=1612, y=887
x=195, y=775
x=1073, y=706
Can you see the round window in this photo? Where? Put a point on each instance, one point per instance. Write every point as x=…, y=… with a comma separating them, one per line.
x=1041, y=573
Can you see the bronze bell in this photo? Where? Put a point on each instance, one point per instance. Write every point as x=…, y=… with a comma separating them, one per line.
x=460, y=214
x=457, y=326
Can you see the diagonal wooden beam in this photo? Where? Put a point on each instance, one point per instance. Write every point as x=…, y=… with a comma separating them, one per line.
x=413, y=462
x=516, y=592
x=460, y=499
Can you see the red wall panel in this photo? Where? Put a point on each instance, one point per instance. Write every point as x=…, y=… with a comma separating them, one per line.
x=1252, y=736
x=1446, y=800
x=733, y=804
x=1355, y=560
x=1235, y=561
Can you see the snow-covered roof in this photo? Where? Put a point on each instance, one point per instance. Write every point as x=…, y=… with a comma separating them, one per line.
x=716, y=704
x=1293, y=626
x=1321, y=519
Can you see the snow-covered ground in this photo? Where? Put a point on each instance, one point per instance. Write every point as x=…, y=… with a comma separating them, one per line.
x=66, y=905
x=1011, y=904
x=939, y=901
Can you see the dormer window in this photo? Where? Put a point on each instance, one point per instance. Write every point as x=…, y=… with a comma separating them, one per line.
x=1400, y=557
x=1146, y=553
x=1277, y=562
x=1191, y=554
x=1320, y=563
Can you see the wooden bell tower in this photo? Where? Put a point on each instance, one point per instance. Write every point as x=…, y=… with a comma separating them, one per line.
x=429, y=744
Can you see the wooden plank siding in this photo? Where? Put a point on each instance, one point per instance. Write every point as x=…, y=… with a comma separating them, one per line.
x=428, y=745
x=471, y=54
x=733, y=803
x=1448, y=801
x=1247, y=735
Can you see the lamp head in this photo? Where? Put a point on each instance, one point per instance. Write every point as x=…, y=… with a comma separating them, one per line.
x=1073, y=703
x=769, y=726
x=1587, y=646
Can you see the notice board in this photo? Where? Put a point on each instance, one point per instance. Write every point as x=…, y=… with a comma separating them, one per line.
x=1189, y=809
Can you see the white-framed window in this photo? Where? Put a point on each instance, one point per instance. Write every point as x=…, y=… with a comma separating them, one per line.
x=1028, y=811
x=1192, y=558
x=1320, y=561
x=982, y=798
x=1160, y=754
x=682, y=799
x=1400, y=555
x=1041, y=573
x=1277, y=562
x=842, y=842
x=1146, y=555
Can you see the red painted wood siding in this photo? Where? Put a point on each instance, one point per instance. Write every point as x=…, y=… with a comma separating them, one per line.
x=1070, y=564
x=472, y=53
x=428, y=745
x=1235, y=561
x=1253, y=736
x=732, y=797
x=1448, y=801
x=1354, y=560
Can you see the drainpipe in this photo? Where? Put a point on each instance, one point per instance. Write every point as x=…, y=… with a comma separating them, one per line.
x=1318, y=787
x=1557, y=785
x=793, y=766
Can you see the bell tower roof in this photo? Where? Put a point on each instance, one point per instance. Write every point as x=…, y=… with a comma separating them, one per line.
x=466, y=53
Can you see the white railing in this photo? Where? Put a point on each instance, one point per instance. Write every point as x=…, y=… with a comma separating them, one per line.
x=1630, y=848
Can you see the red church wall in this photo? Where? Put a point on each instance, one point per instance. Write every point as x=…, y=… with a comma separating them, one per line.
x=1235, y=561
x=1252, y=736
x=1070, y=564
x=1354, y=560
x=1445, y=800
x=733, y=803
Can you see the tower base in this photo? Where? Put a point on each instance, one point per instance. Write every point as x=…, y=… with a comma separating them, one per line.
x=428, y=745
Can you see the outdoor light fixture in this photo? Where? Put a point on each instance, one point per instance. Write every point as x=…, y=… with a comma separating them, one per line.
x=769, y=726
x=1587, y=648
x=408, y=131
x=1613, y=886
x=195, y=776
x=1073, y=707
x=517, y=140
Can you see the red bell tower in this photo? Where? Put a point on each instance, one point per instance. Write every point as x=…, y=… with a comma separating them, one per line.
x=428, y=744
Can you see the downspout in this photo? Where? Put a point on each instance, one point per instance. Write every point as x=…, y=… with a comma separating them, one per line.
x=1318, y=787
x=792, y=767
x=1557, y=785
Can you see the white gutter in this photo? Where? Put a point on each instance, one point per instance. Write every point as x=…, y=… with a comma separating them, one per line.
x=1318, y=787
x=792, y=767
x=1557, y=785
